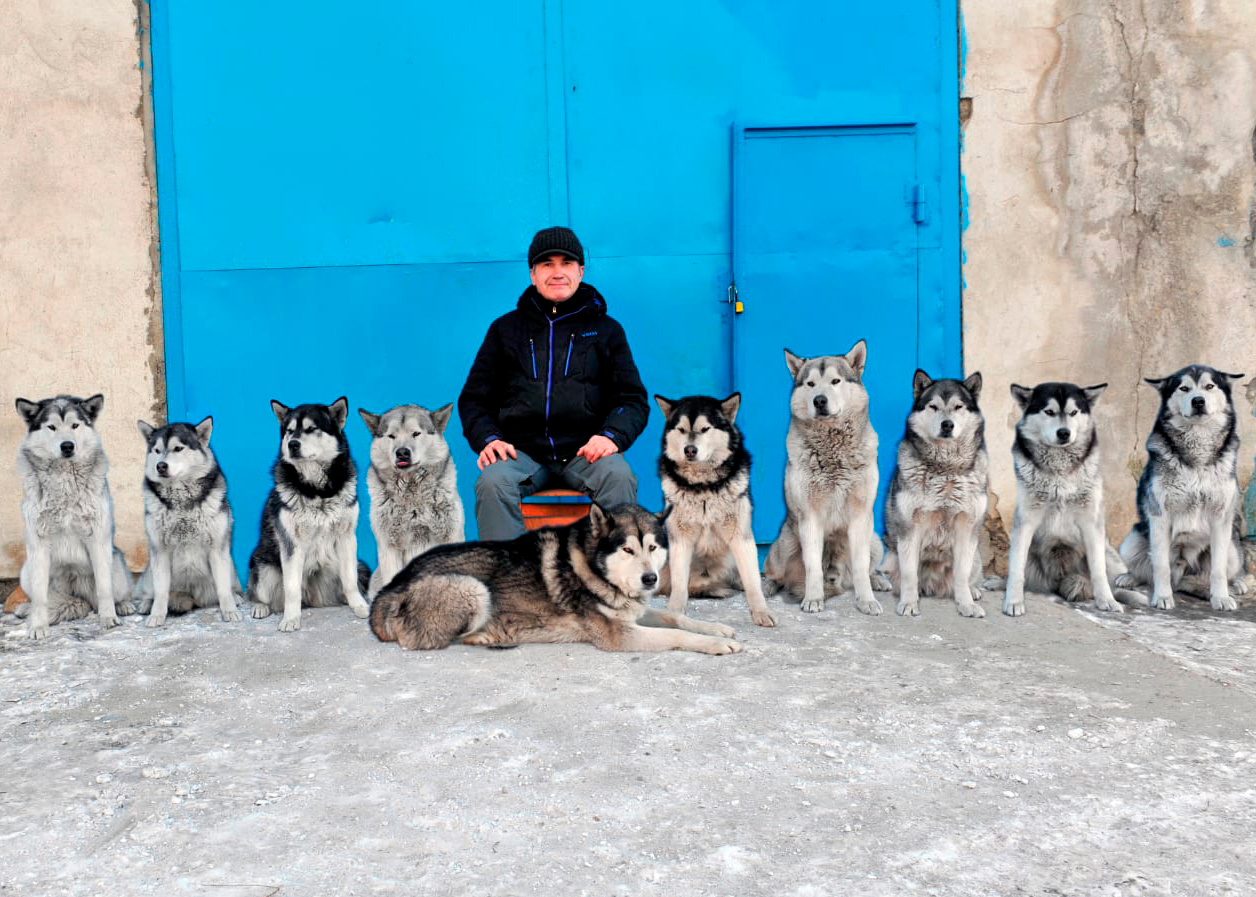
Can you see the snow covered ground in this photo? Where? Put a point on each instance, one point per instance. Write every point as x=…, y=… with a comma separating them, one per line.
x=1061, y=753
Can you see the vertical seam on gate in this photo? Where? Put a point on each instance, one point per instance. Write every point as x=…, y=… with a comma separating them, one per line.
x=556, y=114
x=167, y=210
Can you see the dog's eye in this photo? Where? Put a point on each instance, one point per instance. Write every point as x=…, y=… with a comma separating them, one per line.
x=1048, y=412
x=933, y=407
x=1209, y=386
x=416, y=434
x=177, y=448
x=811, y=383
x=392, y=435
x=628, y=550
x=1073, y=413
x=654, y=548
x=1184, y=389
x=704, y=429
x=836, y=380
x=75, y=426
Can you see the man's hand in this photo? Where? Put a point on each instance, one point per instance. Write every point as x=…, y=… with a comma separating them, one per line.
x=597, y=448
x=497, y=450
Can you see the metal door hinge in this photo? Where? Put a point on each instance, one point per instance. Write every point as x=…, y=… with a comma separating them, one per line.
x=919, y=204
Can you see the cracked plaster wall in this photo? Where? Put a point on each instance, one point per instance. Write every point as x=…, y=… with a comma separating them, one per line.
x=80, y=307
x=1109, y=167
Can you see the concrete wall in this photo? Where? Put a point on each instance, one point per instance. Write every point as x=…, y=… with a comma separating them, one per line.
x=80, y=310
x=1108, y=160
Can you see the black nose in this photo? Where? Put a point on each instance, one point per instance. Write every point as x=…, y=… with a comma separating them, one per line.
x=1197, y=403
x=948, y=427
x=691, y=452
x=67, y=448
x=821, y=403
x=163, y=468
x=294, y=448
x=649, y=579
x=1062, y=435
x=403, y=454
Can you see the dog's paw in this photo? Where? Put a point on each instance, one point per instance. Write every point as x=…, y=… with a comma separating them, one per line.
x=676, y=607
x=1224, y=602
x=481, y=638
x=969, y=609
x=1163, y=602
x=155, y=620
x=1239, y=586
x=761, y=618
x=109, y=621
x=125, y=607
x=1125, y=581
x=36, y=630
x=230, y=614
x=880, y=582
x=361, y=609
x=719, y=630
x=908, y=608
x=1014, y=607
x=993, y=584
x=1111, y=605
x=721, y=646
x=290, y=624
x=812, y=605
x=261, y=611
x=871, y=606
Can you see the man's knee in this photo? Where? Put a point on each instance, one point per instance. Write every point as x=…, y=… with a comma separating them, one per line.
x=612, y=481
x=500, y=480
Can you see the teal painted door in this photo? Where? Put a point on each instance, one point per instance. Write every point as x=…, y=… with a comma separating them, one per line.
x=825, y=253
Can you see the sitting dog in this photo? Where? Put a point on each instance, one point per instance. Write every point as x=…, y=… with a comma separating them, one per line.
x=938, y=497
x=413, y=487
x=590, y=581
x=72, y=566
x=827, y=538
x=307, y=553
x=705, y=470
x=188, y=522
x=1190, y=521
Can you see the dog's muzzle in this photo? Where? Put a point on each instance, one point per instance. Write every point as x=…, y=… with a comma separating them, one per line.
x=1198, y=405
x=691, y=452
x=649, y=580
x=294, y=448
x=1062, y=435
x=821, y=405
x=163, y=469
x=67, y=449
x=402, y=457
x=947, y=427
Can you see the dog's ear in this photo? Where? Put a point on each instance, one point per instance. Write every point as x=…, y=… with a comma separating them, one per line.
x=920, y=381
x=92, y=407
x=665, y=405
x=28, y=409
x=794, y=363
x=1231, y=377
x=1021, y=394
x=973, y=384
x=857, y=356
x=599, y=521
x=1156, y=382
x=730, y=405
x=146, y=429
x=281, y=410
x=371, y=421
x=440, y=418
x=204, y=429
x=339, y=412
x=662, y=516
x=1094, y=392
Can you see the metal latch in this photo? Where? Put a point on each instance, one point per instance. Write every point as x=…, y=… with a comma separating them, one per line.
x=732, y=299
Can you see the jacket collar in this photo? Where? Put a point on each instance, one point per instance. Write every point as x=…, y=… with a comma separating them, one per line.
x=587, y=303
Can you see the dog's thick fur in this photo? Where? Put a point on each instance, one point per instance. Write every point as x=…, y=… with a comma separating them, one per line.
x=1189, y=527
x=587, y=582
x=72, y=566
x=413, y=487
x=705, y=472
x=1059, y=537
x=938, y=497
x=188, y=522
x=307, y=552
x=827, y=544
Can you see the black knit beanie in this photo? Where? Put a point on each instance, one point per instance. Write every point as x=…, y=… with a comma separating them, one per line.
x=552, y=240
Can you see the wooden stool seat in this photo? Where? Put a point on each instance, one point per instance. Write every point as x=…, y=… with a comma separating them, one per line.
x=554, y=507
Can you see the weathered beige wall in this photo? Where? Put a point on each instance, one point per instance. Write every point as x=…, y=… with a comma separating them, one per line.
x=79, y=303
x=1109, y=167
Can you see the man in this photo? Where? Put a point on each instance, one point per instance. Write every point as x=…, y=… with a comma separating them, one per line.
x=553, y=394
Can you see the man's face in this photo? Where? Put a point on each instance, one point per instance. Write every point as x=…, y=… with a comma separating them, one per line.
x=557, y=277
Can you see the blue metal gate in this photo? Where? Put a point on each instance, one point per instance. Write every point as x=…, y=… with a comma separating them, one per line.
x=345, y=196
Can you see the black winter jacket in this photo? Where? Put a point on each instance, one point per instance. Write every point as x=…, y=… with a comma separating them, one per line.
x=546, y=382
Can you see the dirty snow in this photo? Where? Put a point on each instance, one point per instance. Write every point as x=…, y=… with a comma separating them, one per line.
x=1061, y=753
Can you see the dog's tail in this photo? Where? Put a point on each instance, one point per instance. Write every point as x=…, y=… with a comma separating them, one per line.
x=431, y=611
x=364, y=577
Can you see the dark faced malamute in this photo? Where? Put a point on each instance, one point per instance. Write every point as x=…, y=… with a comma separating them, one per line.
x=587, y=582
x=1189, y=519
x=307, y=553
x=188, y=522
x=1059, y=539
x=937, y=500
x=705, y=471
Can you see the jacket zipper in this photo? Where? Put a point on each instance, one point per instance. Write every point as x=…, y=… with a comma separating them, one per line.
x=549, y=380
x=567, y=364
x=532, y=349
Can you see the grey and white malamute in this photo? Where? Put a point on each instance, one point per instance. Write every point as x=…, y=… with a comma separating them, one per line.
x=937, y=501
x=1189, y=518
x=705, y=471
x=1059, y=539
x=72, y=566
x=587, y=582
x=413, y=487
x=307, y=553
x=188, y=522
x=827, y=544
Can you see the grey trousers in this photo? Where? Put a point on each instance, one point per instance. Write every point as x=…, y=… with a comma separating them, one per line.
x=609, y=481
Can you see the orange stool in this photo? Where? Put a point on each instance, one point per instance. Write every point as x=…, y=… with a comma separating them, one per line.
x=553, y=507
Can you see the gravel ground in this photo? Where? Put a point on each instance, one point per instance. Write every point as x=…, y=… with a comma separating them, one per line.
x=1061, y=753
